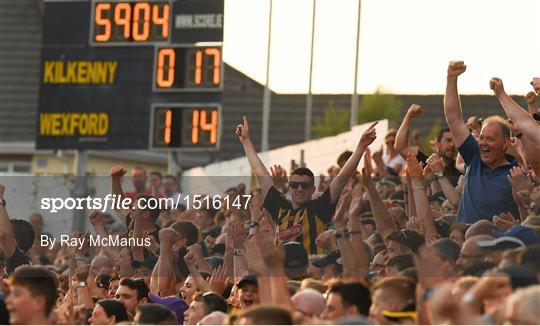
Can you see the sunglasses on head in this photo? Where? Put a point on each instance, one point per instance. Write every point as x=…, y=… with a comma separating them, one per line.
x=296, y=184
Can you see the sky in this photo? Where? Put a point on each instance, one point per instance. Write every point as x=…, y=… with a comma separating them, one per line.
x=405, y=45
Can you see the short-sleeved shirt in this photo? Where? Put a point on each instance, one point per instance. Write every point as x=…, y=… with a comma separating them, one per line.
x=311, y=218
x=18, y=258
x=486, y=192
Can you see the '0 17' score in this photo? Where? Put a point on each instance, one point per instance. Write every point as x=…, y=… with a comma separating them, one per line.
x=189, y=126
x=187, y=68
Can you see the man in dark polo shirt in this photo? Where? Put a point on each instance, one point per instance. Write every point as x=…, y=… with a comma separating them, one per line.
x=487, y=191
x=302, y=219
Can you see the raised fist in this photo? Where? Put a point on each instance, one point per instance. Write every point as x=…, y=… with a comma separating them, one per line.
x=530, y=98
x=118, y=171
x=536, y=84
x=96, y=218
x=167, y=235
x=435, y=163
x=414, y=111
x=496, y=85
x=242, y=130
x=456, y=68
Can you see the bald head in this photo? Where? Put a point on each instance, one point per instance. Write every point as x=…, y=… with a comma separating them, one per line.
x=471, y=253
x=482, y=227
x=309, y=301
x=101, y=264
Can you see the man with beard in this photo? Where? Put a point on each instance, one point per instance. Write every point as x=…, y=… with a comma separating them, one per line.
x=444, y=145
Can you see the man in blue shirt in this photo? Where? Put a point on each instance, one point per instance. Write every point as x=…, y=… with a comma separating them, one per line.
x=487, y=191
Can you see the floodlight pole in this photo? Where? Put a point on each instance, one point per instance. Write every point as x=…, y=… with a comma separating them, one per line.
x=309, y=99
x=266, y=96
x=354, y=99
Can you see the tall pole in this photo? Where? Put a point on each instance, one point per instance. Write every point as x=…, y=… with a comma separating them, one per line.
x=354, y=99
x=80, y=190
x=266, y=96
x=309, y=100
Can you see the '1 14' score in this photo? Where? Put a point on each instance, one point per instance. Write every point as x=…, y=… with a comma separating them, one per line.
x=186, y=126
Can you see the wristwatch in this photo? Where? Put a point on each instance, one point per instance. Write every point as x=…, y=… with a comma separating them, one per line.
x=439, y=175
x=239, y=252
x=81, y=284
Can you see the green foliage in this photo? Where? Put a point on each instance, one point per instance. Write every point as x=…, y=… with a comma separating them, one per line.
x=379, y=106
x=335, y=121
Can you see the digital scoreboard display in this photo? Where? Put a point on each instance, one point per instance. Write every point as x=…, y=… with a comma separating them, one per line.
x=186, y=125
x=131, y=75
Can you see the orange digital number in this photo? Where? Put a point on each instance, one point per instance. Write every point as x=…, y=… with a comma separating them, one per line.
x=195, y=127
x=145, y=8
x=210, y=127
x=216, y=53
x=106, y=23
x=168, y=124
x=198, y=67
x=122, y=17
x=161, y=80
x=161, y=20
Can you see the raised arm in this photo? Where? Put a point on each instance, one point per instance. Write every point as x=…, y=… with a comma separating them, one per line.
x=420, y=197
x=265, y=181
x=117, y=172
x=383, y=220
x=452, y=104
x=166, y=277
x=402, y=136
x=348, y=170
x=521, y=118
x=7, y=239
x=436, y=165
x=96, y=219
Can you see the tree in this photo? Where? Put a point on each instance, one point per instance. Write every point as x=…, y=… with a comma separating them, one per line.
x=335, y=121
x=379, y=106
x=375, y=106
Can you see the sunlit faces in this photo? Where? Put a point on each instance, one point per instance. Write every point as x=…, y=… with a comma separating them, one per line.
x=188, y=290
x=299, y=194
x=22, y=306
x=139, y=179
x=335, y=309
x=128, y=297
x=380, y=301
x=195, y=313
x=493, y=145
x=446, y=146
x=248, y=295
x=99, y=317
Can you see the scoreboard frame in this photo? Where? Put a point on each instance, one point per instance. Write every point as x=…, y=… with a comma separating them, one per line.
x=184, y=105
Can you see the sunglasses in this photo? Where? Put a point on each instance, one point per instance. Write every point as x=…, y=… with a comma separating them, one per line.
x=296, y=184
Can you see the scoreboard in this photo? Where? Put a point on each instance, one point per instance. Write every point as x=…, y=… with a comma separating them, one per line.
x=131, y=74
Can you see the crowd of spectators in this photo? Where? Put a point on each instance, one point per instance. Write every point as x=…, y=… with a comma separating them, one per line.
x=417, y=234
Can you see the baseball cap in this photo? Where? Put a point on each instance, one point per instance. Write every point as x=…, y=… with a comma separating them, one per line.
x=295, y=255
x=521, y=232
x=330, y=258
x=501, y=243
x=175, y=303
x=248, y=278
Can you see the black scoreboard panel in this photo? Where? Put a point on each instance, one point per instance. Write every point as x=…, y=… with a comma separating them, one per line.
x=99, y=76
